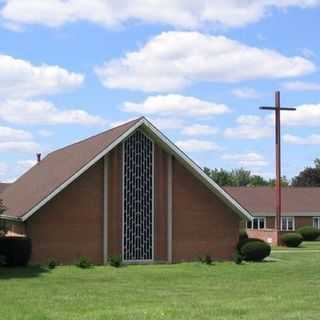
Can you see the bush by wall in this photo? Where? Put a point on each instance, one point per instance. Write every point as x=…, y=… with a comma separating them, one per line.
x=308, y=233
x=83, y=263
x=243, y=235
x=292, y=239
x=246, y=240
x=115, y=261
x=255, y=250
x=16, y=250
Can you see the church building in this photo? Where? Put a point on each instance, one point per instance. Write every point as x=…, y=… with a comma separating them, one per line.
x=127, y=192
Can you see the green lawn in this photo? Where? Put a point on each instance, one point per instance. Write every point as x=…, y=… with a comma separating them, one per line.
x=286, y=288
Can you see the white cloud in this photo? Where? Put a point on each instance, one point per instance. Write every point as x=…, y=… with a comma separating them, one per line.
x=250, y=120
x=178, y=13
x=313, y=139
x=308, y=53
x=3, y=169
x=301, y=86
x=167, y=123
x=44, y=112
x=245, y=93
x=174, y=104
x=305, y=115
x=19, y=146
x=250, y=127
x=15, y=140
x=45, y=133
x=19, y=78
x=251, y=159
x=25, y=165
x=175, y=60
x=199, y=129
x=10, y=134
x=195, y=145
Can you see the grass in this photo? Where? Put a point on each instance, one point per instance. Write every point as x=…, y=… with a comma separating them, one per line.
x=287, y=288
x=306, y=245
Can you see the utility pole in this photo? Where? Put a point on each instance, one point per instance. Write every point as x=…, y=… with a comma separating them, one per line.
x=277, y=109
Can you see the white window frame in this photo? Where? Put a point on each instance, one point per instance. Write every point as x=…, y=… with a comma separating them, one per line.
x=258, y=219
x=316, y=222
x=287, y=218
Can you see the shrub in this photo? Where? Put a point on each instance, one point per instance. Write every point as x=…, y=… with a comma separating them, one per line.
x=52, y=263
x=237, y=257
x=255, y=250
x=16, y=250
x=115, y=261
x=83, y=263
x=244, y=241
x=207, y=260
x=292, y=239
x=308, y=233
x=243, y=235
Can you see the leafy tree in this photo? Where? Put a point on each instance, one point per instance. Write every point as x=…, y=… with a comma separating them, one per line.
x=284, y=182
x=2, y=222
x=240, y=178
x=221, y=176
x=256, y=181
x=308, y=177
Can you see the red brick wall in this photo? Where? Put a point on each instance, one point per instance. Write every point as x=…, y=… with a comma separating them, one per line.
x=202, y=223
x=160, y=204
x=115, y=202
x=70, y=225
x=270, y=221
x=267, y=235
x=303, y=221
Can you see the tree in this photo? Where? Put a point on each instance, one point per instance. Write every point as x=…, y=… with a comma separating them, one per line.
x=284, y=182
x=308, y=177
x=241, y=178
x=3, y=230
x=221, y=176
x=256, y=181
x=235, y=178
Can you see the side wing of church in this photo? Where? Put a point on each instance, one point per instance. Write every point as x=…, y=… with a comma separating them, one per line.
x=126, y=192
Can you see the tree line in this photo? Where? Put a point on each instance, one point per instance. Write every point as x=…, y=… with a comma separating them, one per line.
x=308, y=177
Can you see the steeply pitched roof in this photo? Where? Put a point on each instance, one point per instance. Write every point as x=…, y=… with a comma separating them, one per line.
x=3, y=186
x=57, y=170
x=302, y=201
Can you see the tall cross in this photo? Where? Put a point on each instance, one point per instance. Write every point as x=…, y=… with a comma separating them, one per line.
x=277, y=108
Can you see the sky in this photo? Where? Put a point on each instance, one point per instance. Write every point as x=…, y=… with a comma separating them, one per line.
x=199, y=70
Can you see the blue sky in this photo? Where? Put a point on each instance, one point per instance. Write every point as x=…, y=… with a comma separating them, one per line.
x=199, y=70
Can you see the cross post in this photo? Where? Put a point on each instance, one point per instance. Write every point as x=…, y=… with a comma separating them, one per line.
x=277, y=109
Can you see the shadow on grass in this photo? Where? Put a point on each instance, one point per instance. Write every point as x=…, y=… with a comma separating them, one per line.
x=7, y=273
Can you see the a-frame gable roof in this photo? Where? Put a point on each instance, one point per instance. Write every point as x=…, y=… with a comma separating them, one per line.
x=43, y=179
x=59, y=168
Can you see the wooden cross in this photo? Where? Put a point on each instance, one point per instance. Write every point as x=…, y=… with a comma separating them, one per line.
x=277, y=108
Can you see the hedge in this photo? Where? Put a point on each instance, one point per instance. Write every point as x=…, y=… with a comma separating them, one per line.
x=243, y=235
x=255, y=250
x=16, y=250
x=292, y=239
x=246, y=240
x=308, y=233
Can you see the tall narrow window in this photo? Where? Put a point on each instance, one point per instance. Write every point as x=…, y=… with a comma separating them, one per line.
x=138, y=198
x=287, y=223
x=316, y=222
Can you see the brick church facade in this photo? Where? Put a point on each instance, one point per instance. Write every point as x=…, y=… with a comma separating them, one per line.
x=126, y=192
